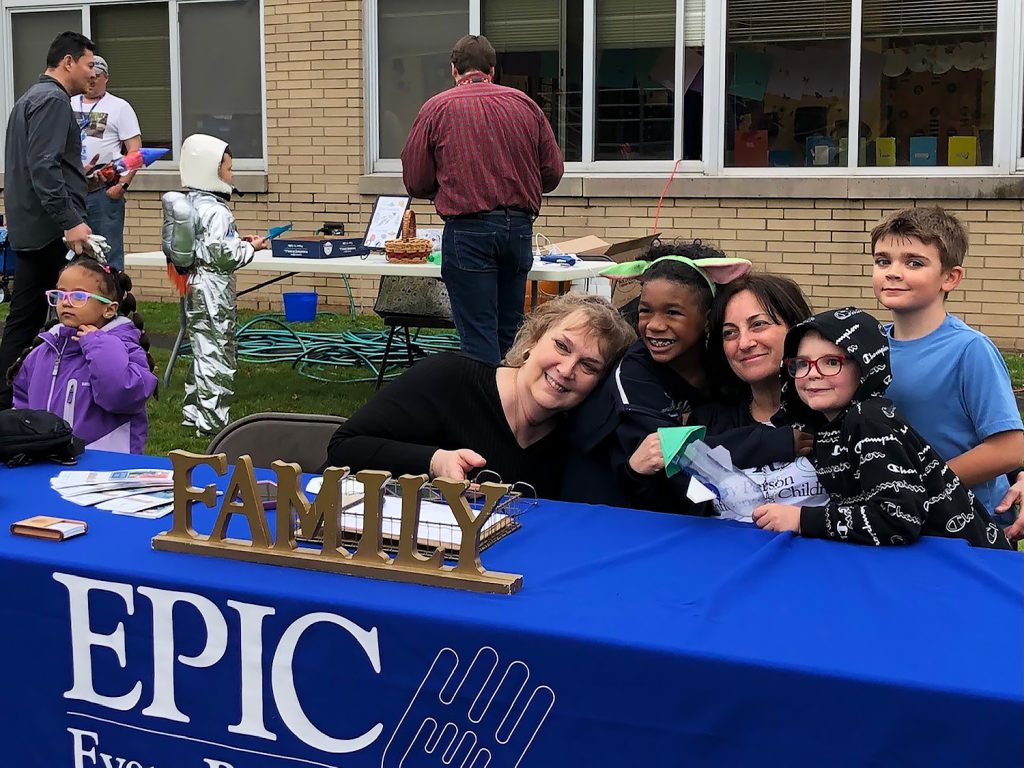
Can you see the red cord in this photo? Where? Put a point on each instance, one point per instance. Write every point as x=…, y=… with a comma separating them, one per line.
x=657, y=211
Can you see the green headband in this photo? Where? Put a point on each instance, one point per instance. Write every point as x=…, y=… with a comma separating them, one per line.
x=714, y=270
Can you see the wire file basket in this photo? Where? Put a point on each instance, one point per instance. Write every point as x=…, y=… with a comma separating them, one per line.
x=438, y=527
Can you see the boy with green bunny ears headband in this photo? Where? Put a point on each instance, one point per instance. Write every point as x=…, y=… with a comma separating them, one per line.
x=659, y=381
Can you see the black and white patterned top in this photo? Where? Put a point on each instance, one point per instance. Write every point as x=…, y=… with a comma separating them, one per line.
x=886, y=485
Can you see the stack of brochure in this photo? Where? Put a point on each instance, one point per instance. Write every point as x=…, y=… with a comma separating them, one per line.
x=135, y=492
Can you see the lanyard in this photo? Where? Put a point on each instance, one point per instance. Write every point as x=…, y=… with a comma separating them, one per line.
x=86, y=116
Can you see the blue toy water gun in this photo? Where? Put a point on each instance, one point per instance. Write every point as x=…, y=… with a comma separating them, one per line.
x=275, y=231
x=559, y=258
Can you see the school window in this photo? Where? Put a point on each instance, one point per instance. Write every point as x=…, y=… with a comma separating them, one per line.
x=639, y=112
x=414, y=44
x=759, y=86
x=787, y=83
x=540, y=52
x=171, y=88
x=610, y=95
x=927, y=90
x=221, y=73
x=32, y=33
x=135, y=41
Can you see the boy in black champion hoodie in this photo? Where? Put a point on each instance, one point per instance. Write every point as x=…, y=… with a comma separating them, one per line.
x=885, y=483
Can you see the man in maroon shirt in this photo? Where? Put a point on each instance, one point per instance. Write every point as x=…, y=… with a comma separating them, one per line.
x=484, y=154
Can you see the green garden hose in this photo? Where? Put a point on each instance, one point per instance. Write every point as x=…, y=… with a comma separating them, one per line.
x=268, y=339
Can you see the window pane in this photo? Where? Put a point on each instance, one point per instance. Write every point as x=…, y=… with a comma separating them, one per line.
x=32, y=34
x=787, y=83
x=414, y=46
x=541, y=53
x=927, y=82
x=636, y=83
x=221, y=90
x=135, y=41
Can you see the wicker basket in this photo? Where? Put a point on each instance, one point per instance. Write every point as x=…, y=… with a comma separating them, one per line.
x=410, y=249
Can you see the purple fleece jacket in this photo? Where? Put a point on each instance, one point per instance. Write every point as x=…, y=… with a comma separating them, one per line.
x=99, y=385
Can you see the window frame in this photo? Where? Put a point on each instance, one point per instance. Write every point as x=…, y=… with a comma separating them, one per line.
x=1016, y=121
x=376, y=164
x=1008, y=109
x=11, y=7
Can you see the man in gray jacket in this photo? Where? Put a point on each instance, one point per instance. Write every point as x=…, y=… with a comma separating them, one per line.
x=44, y=190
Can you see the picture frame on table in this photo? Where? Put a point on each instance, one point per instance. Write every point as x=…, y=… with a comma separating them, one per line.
x=386, y=220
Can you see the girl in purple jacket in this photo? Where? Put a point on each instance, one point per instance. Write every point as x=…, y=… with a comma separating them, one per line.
x=92, y=368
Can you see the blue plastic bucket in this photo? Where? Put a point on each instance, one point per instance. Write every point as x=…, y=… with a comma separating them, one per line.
x=300, y=306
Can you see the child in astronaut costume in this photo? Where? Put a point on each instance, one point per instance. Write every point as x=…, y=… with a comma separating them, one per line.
x=203, y=250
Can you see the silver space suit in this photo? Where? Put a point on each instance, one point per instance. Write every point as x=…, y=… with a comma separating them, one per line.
x=199, y=236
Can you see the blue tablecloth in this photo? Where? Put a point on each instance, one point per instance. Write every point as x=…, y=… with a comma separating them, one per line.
x=638, y=639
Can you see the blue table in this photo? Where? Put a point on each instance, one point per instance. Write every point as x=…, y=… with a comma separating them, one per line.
x=705, y=643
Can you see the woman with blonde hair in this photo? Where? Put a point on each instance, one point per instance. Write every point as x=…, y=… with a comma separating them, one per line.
x=451, y=415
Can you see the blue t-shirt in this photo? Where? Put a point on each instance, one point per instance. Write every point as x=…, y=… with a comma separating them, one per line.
x=953, y=387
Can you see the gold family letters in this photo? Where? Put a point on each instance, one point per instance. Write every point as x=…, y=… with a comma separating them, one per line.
x=296, y=512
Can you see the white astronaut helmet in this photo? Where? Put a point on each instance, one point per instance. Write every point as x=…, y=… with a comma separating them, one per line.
x=201, y=156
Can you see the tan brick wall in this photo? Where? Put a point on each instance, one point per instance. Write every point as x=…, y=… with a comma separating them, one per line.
x=823, y=244
x=315, y=137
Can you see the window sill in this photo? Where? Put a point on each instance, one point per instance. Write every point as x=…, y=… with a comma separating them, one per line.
x=250, y=182
x=991, y=187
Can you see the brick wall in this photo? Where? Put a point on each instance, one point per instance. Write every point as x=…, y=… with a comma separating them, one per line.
x=823, y=244
x=315, y=138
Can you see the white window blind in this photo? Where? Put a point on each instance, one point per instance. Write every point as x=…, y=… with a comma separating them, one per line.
x=31, y=33
x=135, y=41
x=905, y=18
x=770, y=21
x=630, y=24
x=522, y=25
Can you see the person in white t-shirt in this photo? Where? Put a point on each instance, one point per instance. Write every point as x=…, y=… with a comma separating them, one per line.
x=110, y=129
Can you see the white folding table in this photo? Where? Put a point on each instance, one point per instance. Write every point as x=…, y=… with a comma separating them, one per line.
x=374, y=264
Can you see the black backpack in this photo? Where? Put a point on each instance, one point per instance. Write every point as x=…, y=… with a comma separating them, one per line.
x=27, y=436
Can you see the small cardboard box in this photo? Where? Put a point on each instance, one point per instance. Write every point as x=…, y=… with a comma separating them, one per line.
x=318, y=248
x=594, y=248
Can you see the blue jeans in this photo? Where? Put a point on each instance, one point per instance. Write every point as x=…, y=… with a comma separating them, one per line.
x=106, y=217
x=485, y=262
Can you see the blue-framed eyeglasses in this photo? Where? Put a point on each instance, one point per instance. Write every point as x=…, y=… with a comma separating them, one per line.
x=74, y=298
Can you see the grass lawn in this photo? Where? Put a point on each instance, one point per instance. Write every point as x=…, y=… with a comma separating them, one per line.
x=1015, y=363
x=278, y=387
x=259, y=388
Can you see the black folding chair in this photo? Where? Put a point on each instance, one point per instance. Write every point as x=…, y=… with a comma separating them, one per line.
x=300, y=438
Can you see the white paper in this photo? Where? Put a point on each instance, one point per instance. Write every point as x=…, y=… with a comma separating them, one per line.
x=68, y=529
x=138, y=503
x=386, y=223
x=149, y=514
x=70, y=478
x=118, y=491
x=713, y=469
x=438, y=526
x=90, y=498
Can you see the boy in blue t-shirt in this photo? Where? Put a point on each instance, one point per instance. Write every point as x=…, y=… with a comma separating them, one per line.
x=949, y=380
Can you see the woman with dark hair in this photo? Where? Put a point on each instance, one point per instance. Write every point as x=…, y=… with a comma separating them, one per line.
x=748, y=324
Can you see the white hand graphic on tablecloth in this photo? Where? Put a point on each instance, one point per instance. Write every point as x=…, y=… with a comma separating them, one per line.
x=474, y=719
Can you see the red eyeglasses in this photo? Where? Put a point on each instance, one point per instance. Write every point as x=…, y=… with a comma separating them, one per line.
x=826, y=365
